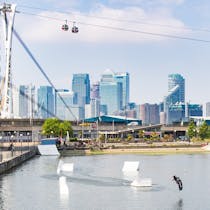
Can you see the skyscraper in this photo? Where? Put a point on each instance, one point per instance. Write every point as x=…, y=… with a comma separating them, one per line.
x=208, y=109
x=71, y=113
x=175, y=96
x=81, y=89
x=178, y=82
x=110, y=92
x=26, y=101
x=45, y=102
x=149, y=114
x=123, y=77
x=94, y=93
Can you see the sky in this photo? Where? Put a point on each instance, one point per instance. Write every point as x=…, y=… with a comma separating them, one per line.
x=110, y=37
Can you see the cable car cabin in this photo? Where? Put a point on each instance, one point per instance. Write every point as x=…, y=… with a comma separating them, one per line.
x=65, y=27
x=75, y=29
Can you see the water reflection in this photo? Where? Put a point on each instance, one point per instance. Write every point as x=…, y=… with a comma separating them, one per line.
x=1, y=196
x=179, y=205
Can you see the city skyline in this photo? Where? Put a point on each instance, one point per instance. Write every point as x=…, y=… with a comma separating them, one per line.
x=148, y=59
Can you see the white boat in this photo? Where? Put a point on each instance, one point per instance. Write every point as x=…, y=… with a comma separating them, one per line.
x=48, y=147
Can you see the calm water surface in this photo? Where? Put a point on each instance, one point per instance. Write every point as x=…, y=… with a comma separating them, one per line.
x=98, y=183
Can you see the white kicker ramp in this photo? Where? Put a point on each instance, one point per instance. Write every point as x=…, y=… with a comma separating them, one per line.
x=65, y=167
x=48, y=150
x=130, y=166
x=130, y=170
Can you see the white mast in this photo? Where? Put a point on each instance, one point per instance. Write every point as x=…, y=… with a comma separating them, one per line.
x=7, y=13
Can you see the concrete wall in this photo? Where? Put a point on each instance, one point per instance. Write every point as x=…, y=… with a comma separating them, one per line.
x=7, y=165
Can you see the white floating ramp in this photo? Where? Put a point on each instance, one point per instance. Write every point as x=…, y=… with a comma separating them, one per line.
x=130, y=166
x=48, y=150
x=65, y=167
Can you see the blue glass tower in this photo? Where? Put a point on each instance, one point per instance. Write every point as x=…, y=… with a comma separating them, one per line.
x=176, y=80
x=45, y=102
x=175, y=98
x=124, y=79
x=110, y=92
x=81, y=88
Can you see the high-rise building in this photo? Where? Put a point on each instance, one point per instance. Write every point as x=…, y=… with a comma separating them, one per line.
x=175, y=96
x=149, y=114
x=123, y=77
x=92, y=109
x=194, y=110
x=81, y=89
x=208, y=109
x=94, y=93
x=110, y=92
x=27, y=101
x=45, y=102
x=176, y=80
x=67, y=111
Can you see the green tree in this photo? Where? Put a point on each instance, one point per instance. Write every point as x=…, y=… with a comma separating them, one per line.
x=51, y=127
x=154, y=136
x=65, y=127
x=129, y=137
x=191, y=129
x=141, y=134
x=203, y=130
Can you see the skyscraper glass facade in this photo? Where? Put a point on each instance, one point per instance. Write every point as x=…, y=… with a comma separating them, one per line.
x=23, y=101
x=71, y=113
x=110, y=92
x=176, y=80
x=81, y=87
x=123, y=78
x=175, y=98
x=45, y=102
x=27, y=102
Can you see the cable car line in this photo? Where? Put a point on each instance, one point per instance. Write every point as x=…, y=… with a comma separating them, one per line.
x=135, y=31
x=123, y=20
x=41, y=69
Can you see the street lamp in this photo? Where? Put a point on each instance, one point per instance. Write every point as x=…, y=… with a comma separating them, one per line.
x=21, y=143
x=28, y=139
x=1, y=151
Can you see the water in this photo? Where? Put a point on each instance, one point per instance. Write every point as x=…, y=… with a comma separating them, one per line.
x=98, y=183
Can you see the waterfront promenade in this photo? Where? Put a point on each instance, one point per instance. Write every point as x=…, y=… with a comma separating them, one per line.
x=12, y=158
x=156, y=148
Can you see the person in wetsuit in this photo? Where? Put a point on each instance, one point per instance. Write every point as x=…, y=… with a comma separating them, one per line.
x=178, y=181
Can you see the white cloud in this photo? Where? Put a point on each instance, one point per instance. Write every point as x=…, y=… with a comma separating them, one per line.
x=150, y=2
x=92, y=29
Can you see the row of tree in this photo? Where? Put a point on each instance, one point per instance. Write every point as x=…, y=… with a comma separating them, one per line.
x=53, y=127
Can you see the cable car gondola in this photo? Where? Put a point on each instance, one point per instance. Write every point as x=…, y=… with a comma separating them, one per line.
x=65, y=27
x=74, y=29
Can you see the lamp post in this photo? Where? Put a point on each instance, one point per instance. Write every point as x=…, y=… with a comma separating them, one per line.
x=28, y=139
x=1, y=151
x=21, y=143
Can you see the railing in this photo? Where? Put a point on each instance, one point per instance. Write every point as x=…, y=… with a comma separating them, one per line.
x=13, y=148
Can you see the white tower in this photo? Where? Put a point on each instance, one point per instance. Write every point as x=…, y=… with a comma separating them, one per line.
x=7, y=14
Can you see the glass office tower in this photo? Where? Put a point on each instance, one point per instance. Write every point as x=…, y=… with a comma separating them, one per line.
x=45, y=102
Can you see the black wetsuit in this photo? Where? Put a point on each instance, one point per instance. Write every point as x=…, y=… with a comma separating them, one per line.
x=178, y=181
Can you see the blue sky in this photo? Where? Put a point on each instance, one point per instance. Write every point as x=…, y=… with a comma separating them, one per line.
x=148, y=59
